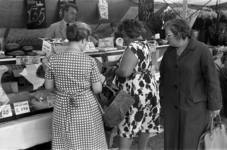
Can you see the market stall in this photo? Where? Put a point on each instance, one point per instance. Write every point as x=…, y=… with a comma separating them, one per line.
x=29, y=128
x=25, y=119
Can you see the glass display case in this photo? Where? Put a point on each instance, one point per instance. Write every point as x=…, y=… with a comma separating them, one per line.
x=22, y=90
x=22, y=84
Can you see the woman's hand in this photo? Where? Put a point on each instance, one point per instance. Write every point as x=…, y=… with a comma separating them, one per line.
x=110, y=71
x=215, y=113
x=44, y=63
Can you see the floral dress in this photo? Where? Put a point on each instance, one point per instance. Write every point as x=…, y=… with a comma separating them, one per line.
x=143, y=115
x=77, y=121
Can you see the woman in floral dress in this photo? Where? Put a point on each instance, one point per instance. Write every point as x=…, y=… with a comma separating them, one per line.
x=135, y=77
x=77, y=121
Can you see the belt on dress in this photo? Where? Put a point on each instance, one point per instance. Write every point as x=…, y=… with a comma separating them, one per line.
x=72, y=96
x=72, y=102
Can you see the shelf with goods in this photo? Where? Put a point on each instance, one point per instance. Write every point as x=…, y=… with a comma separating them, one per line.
x=20, y=90
x=30, y=122
x=34, y=127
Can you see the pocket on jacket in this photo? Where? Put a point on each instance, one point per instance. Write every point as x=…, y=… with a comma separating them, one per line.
x=196, y=99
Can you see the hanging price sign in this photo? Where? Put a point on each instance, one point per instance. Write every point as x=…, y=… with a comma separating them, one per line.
x=146, y=9
x=21, y=107
x=36, y=14
x=6, y=111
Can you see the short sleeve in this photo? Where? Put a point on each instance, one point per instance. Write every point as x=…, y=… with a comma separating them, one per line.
x=49, y=70
x=95, y=75
x=133, y=47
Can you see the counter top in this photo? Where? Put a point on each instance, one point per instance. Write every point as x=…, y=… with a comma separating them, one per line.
x=89, y=53
x=109, y=52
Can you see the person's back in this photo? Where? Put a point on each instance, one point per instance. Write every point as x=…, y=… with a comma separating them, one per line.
x=77, y=121
x=72, y=71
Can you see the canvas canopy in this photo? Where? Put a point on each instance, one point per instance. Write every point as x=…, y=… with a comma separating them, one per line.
x=193, y=2
x=13, y=15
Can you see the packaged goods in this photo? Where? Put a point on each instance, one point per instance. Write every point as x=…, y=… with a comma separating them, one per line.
x=40, y=100
x=40, y=53
x=53, y=46
x=12, y=47
x=31, y=53
x=39, y=105
x=27, y=49
x=17, y=53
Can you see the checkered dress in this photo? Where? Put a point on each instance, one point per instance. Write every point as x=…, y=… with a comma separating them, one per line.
x=77, y=121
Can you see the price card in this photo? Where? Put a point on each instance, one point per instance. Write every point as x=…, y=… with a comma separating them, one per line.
x=6, y=111
x=27, y=60
x=36, y=14
x=50, y=100
x=21, y=107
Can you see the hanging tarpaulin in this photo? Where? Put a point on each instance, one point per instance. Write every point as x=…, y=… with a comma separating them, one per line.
x=61, y=4
x=103, y=10
x=36, y=14
x=146, y=9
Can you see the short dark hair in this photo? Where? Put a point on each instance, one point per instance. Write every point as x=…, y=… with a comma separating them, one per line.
x=132, y=27
x=67, y=5
x=115, y=22
x=78, y=31
x=179, y=27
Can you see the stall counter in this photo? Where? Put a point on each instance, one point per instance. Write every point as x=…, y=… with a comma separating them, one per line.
x=36, y=129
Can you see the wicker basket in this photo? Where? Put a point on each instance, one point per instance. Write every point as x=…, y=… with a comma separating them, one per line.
x=117, y=106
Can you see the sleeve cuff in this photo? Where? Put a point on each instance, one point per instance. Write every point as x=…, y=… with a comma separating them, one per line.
x=214, y=105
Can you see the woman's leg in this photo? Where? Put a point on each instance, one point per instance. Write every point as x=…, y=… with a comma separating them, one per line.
x=108, y=139
x=125, y=143
x=143, y=140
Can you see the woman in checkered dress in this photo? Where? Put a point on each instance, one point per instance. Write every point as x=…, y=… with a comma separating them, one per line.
x=77, y=121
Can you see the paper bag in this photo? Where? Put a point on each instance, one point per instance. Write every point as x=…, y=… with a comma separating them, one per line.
x=103, y=10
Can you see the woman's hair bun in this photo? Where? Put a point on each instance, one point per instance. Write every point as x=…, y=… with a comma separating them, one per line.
x=71, y=32
x=78, y=31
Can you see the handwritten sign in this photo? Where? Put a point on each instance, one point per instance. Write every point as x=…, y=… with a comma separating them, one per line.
x=6, y=111
x=146, y=9
x=61, y=4
x=106, y=42
x=27, y=60
x=21, y=107
x=36, y=14
x=47, y=48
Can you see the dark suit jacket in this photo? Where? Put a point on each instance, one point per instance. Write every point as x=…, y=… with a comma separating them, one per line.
x=56, y=30
x=189, y=88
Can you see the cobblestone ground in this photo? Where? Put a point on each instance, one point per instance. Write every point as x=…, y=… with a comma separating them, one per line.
x=156, y=142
